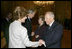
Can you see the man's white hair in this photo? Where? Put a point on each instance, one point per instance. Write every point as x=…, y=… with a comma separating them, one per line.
x=51, y=14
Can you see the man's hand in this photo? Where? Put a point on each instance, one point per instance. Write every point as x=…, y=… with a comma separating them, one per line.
x=36, y=36
x=32, y=34
x=41, y=42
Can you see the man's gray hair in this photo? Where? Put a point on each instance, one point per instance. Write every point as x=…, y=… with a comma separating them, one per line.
x=50, y=13
x=31, y=11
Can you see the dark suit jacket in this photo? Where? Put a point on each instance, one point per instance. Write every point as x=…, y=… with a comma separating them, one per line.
x=28, y=25
x=5, y=28
x=40, y=31
x=53, y=35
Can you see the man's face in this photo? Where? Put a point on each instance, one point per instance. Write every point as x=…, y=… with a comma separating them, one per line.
x=31, y=15
x=10, y=16
x=48, y=19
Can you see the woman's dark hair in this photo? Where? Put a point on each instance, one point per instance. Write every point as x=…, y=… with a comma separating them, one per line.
x=42, y=17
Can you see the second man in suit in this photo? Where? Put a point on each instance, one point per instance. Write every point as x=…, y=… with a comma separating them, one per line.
x=28, y=22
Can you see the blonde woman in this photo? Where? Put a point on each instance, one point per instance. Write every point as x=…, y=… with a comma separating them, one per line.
x=18, y=37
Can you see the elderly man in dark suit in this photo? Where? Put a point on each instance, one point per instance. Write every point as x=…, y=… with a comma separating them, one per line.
x=53, y=32
x=28, y=22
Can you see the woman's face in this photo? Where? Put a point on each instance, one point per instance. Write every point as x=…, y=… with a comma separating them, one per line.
x=23, y=19
x=40, y=21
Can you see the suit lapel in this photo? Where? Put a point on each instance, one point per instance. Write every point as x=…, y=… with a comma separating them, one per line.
x=53, y=26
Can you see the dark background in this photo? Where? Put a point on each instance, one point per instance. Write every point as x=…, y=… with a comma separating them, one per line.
x=62, y=10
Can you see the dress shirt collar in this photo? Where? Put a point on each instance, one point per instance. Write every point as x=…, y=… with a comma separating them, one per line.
x=51, y=24
x=29, y=18
x=7, y=19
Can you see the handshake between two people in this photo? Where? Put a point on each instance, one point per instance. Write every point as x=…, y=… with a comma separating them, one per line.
x=42, y=42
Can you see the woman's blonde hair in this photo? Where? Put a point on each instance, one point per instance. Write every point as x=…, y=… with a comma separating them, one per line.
x=19, y=12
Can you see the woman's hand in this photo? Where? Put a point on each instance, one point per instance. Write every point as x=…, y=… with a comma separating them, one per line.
x=42, y=42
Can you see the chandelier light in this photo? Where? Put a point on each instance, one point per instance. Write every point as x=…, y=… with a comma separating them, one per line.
x=43, y=2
